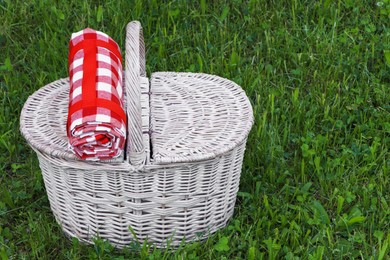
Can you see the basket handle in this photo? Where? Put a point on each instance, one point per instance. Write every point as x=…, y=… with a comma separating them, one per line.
x=134, y=69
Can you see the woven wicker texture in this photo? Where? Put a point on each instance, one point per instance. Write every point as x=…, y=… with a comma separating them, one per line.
x=196, y=116
x=161, y=204
x=185, y=186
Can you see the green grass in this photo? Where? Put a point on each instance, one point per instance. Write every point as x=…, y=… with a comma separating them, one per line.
x=315, y=182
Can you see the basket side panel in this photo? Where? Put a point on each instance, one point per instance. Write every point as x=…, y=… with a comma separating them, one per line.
x=181, y=202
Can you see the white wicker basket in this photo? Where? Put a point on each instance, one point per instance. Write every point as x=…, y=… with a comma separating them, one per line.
x=180, y=176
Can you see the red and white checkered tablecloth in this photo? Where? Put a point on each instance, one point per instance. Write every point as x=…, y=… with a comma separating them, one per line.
x=96, y=125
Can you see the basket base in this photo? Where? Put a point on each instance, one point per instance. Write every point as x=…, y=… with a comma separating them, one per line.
x=135, y=245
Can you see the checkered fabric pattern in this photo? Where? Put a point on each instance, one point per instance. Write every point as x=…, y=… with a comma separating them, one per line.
x=96, y=124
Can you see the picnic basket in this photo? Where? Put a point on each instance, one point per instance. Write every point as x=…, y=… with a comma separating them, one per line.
x=179, y=177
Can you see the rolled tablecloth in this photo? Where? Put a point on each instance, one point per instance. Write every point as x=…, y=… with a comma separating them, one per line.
x=96, y=125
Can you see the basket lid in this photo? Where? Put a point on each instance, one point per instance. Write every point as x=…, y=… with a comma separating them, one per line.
x=44, y=115
x=196, y=117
